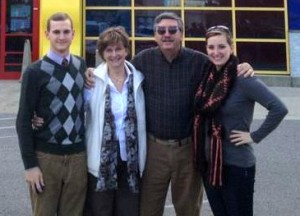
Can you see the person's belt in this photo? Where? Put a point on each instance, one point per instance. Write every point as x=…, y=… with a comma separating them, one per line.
x=170, y=142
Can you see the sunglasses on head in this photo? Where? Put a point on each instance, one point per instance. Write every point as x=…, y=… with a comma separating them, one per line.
x=161, y=30
x=218, y=28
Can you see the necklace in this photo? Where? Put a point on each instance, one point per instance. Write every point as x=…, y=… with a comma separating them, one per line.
x=117, y=77
x=119, y=81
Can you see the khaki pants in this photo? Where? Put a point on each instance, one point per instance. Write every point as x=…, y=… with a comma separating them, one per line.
x=65, y=178
x=170, y=164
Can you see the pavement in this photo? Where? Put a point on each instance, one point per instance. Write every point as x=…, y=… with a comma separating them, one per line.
x=277, y=187
x=9, y=96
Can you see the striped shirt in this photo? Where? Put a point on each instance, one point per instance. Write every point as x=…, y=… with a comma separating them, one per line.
x=169, y=90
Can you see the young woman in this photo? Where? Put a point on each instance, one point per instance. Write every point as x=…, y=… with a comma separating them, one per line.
x=224, y=106
x=115, y=130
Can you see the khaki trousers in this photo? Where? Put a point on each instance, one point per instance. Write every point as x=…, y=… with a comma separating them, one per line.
x=65, y=178
x=173, y=164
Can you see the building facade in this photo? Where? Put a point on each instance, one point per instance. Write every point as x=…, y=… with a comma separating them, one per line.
x=263, y=30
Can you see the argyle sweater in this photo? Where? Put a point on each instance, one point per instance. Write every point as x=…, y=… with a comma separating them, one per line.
x=54, y=93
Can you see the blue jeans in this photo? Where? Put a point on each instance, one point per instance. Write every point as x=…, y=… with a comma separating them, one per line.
x=235, y=197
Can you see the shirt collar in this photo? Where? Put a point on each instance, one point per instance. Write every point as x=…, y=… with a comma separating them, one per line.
x=179, y=55
x=128, y=73
x=57, y=58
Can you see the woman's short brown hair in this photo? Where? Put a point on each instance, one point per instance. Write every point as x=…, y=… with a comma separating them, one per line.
x=113, y=35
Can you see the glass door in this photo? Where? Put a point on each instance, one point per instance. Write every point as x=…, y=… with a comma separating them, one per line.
x=21, y=23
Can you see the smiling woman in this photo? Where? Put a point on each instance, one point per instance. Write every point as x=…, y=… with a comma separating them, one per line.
x=113, y=47
x=219, y=46
x=223, y=142
x=115, y=127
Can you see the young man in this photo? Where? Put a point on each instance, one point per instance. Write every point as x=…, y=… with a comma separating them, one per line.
x=54, y=155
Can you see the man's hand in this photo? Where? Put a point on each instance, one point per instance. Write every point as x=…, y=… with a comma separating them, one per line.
x=240, y=137
x=37, y=121
x=34, y=178
x=90, y=80
x=245, y=69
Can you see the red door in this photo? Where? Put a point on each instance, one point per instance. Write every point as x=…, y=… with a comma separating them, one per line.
x=19, y=22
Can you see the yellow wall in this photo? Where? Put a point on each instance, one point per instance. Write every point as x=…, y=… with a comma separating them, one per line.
x=74, y=9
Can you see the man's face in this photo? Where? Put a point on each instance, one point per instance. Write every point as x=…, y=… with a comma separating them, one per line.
x=167, y=35
x=60, y=36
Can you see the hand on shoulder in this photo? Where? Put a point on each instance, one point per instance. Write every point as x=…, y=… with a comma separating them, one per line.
x=245, y=69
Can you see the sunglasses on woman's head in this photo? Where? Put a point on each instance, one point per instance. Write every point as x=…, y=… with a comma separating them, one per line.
x=161, y=30
x=218, y=28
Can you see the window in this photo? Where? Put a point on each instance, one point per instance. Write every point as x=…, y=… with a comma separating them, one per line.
x=263, y=56
x=99, y=20
x=259, y=3
x=258, y=27
x=196, y=22
x=260, y=24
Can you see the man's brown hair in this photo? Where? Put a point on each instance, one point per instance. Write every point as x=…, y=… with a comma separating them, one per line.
x=59, y=16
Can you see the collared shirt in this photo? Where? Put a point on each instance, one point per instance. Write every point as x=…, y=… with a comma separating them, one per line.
x=57, y=58
x=119, y=110
x=170, y=89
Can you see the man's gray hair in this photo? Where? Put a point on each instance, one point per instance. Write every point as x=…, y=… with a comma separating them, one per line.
x=168, y=15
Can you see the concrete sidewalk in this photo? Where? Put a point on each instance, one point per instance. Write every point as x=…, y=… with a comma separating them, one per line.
x=10, y=89
x=9, y=96
x=277, y=186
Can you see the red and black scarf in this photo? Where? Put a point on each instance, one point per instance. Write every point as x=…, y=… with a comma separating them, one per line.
x=211, y=94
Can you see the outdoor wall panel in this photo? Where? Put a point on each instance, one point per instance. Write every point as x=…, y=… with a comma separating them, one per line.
x=74, y=9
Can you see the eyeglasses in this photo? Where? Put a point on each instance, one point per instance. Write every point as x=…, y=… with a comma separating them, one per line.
x=161, y=30
x=219, y=28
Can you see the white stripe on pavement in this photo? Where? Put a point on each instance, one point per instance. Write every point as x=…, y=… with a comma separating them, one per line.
x=5, y=137
x=8, y=127
x=8, y=118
